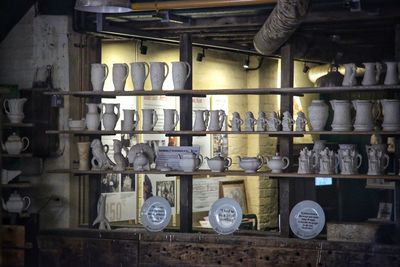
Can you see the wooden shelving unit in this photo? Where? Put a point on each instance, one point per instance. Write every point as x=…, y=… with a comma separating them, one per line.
x=17, y=185
x=17, y=125
x=22, y=155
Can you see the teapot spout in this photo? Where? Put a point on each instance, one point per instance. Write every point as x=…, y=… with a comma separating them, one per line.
x=206, y=158
x=239, y=158
x=3, y=146
x=4, y=204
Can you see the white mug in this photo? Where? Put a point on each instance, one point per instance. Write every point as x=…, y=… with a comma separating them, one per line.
x=158, y=73
x=171, y=119
x=98, y=74
x=149, y=119
x=120, y=73
x=180, y=73
x=139, y=74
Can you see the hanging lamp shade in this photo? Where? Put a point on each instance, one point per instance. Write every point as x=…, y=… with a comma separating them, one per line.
x=103, y=6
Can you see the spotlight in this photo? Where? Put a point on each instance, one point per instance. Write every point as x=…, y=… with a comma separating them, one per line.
x=200, y=56
x=143, y=48
x=246, y=64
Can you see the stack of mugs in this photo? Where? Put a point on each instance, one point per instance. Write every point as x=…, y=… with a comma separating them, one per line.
x=139, y=72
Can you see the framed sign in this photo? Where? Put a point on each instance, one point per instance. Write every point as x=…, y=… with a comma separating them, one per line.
x=235, y=190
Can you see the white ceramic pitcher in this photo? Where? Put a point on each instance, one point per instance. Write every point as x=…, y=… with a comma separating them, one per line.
x=180, y=73
x=149, y=119
x=129, y=122
x=372, y=73
x=217, y=119
x=392, y=75
x=391, y=114
x=378, y=159
x=14, y=108
x=342, y=115
x=201, y=118
x=349, y=74
x=365, y=115
x=139, y=74
x=158, y=73
x=98, y=74
x=110, y=117
x=93, y=116
x=120, y=72
x=171, y=119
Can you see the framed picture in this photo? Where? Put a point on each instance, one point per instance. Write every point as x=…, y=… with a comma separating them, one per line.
x=235, y=190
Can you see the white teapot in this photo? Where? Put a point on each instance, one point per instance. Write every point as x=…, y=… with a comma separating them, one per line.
x=277, y=163
x=251, y=164
x=16, y=203
x=190, y=162
x=14, y=144
x=218, y=163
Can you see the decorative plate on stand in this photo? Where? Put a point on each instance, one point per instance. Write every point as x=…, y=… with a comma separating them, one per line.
x=307, y=219
x=225, y=216
x=155, y=214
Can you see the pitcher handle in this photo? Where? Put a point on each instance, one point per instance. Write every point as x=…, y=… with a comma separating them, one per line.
x=166, y=66
x=359, y=157
x=189, y=70
x=207, y=117
x=26, y=141
x=229, y=162
x=261, y=163
x=106, y=70
x=176, y=118
x=135, y=122
x=378, y=71
x=27, y=201
x=201, y=160
x=221, y=118
x=106, y=148
x=5, y=106
x=127, y=70
x=117, y=106
x=146, y=70
x=155, y=118
x=287, y=162
x=387, y=161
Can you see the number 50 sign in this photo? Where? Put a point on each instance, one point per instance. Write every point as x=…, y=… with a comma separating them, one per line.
x=121, y=206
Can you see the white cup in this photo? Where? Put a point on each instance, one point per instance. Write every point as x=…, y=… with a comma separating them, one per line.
x=98, y=74
x=120, y=73
x=180, y=73
x=158, y=73
x=139, y=74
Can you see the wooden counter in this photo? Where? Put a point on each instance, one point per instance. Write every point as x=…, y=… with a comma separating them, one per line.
x=83, y=247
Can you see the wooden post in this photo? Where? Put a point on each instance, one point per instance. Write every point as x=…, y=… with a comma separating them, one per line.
x=185, y=103
x=396, y=198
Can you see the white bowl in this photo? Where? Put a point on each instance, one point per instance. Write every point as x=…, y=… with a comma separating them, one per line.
x=76, y=124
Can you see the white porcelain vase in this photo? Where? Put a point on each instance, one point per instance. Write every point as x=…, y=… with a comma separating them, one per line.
x=318, y=114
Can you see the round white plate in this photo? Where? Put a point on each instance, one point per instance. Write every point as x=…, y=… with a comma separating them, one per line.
x=225, y=216
x=307, y=219
x=155, y=214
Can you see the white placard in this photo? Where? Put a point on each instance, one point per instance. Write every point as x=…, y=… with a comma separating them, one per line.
x=121, y=206
x=205, y=193
x=169, y=155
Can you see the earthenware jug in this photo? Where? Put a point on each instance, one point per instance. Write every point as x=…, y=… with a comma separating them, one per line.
x=341, y=115
x=249, y=122
x=318, y=114
x=149, y=119
x=392, y=74
x=201, y=120
x=131, y=120
x=349, y=159
x=16, y=203
x=378, y=159
x=236, y=122
x=120, y=72
x=273, y=122
x=93, y=116
x=121, y=161
x=218, y=163
x=251, y=164
x=372, y=73
x=391, y=114
x=277, y=163
x=287, y=122
x=15, y=144
x=327, y=162
x=306, y=161
x=190, y=162
x=110, y=117
x=14, y=108
x=98, y=74
x=349, y=74
x=217, y=119
x=171, y=119
x=319, y=145
x=261, y=124
x=139, y=74
x=158, y=73
x=180, y=73
x=301, y=122
x=366, y=114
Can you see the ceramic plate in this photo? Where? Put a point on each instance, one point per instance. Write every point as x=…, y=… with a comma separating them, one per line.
x=307, y=219
x=225, y=216
x=155, y=214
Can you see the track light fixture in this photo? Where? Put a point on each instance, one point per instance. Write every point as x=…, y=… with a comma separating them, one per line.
x=104, y=6
x=246, y=64
x=142, y=48
x=200, y=56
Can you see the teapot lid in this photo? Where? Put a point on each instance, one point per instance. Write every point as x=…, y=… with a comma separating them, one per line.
x=14, y=137
x=276, y=156
x=188, y=155
x=218, y=156
x=14, y=196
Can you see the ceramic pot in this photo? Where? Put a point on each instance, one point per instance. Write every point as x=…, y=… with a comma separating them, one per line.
x=318, y=114
x=236, y=122
x=349, y=159
x=287, y=122
x=392, y=75
x=349, y=75
x=14, y=108
x=219, y=163
x=261, y=123
x=273, y=122
x=158, y=73
x=301, y=122
x=139, y=74
x=130, y=122
x=120, y=72
x=110, y=117
x=365, y=116
x=249, y=122
x=93, y=116
x=149, y=119
x=372, y=73
x=15, y=144
x=391, y=114
x=341, y=115
x=251, y=164
x=171, y=119
x=306, y=161
x=180, y=73
x=98, y=74
x=319, y=145
x=16, y=203
x=378, y=159
x=327, y=162
x=277, y=163
x=200, y=120
x=189, y=162
x=217, y=119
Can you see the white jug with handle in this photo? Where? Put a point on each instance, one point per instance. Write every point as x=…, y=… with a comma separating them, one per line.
x=109, y=117
x=349, y=74
x=149, y=119
x=372, y=73
x=16, y=203
x=217, y=120
x=391, y=114
x=180, y=73
x=201, y=120
x=14, y=108
x=392, y=75
x=365, y=115
x=342, y=115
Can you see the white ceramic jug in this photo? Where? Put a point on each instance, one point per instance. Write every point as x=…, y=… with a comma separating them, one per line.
x=149, y=119
x=98, y=74
x=110, y=117
x=15, y=144
x=372, y=73
x=318, y=114
x=158, y=73
x=190, y=162
x=327, y=161
x=16, y=203
x=120, y=72
x=217, y=119
x=378, y=160
x=349, y=159
x=14, y=108
x=171, y=119
x=392, y=75
x=349, y=74
x=277, y=163
x=261, y=123
x=365, y=115
x=93, y=116
x=306, y=161
x=139, y=74
x=180, y=73
x=301, y=122
x=391, y=114
x=342, y=115
x=249, y=122
x=129, y=122
x=273, y=122
x=236, y=122
x=201, y=118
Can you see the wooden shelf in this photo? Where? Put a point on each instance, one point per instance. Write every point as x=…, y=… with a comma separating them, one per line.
x=17, y=185
x=203, y=133
x=23, y=155
x=20, y=125
x=299, y=91
x=338, y=176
